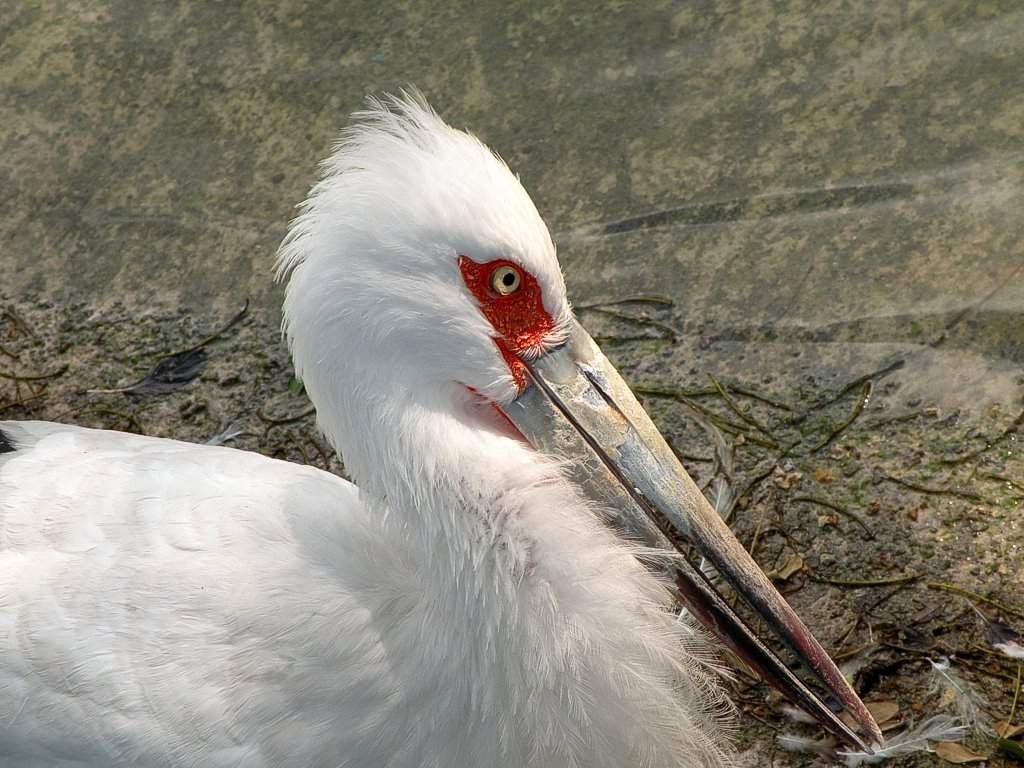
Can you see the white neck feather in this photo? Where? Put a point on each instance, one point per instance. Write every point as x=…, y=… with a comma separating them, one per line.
x=548, y=618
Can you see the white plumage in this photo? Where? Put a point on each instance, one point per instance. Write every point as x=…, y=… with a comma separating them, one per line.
x=167, y=604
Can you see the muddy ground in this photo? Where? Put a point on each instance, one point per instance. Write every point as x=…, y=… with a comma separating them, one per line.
x=795, y=226
x=892, y=524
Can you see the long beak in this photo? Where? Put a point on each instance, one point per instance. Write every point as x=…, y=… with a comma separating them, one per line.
x=580, y=409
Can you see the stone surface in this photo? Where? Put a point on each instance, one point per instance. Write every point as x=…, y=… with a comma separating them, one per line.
x=822, y=191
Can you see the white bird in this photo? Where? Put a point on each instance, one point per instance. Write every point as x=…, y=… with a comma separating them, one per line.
x=169, y=604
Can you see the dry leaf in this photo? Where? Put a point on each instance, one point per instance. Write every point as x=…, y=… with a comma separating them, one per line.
x=957, y=754
x=824, y=520
x=884, y=723
x=1007, y=731
x=793, y=565
x=883, y=711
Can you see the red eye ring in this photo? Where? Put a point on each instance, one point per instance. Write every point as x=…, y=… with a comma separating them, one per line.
x=516, y=312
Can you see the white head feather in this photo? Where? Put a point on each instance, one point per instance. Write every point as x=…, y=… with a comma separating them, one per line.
x=378, y=241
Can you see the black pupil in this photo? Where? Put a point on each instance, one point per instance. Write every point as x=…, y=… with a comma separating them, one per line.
x=508, y=279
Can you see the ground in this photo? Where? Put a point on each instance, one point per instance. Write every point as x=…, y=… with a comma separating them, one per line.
x=795, y=227
x=883, y=519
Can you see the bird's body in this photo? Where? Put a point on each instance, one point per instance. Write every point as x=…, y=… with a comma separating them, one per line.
x=167, y=604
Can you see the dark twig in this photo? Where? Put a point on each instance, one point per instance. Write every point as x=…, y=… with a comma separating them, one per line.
x=758, y=396
x=177, y=369
x=839, y=510
x=734, y=407
x=747, y=489
x=969, y=495
x=21, y=401
x=218, y=333
x=1014, y=426
x=275, y=421
x=661, y=301
x=944, y=587
x=898, y=419
x=870, y=608
x=17, y=322
x=704, y=412
x=858, y=408
x=653, y=390
x=859, y=382
x=855, y=651
x=858, y=583
x=642, y=321
x=1003, y=479
x=34, y=376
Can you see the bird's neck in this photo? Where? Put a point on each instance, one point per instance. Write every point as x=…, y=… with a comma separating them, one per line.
x=449, y=475
x=520, y=608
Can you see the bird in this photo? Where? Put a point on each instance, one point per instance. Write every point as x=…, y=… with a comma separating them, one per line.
x=495, y=586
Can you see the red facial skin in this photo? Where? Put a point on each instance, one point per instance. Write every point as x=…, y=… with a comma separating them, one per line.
x=519, y=319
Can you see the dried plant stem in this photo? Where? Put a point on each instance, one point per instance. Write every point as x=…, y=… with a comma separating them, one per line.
x=672, y=333
x=857, y=583
x=859, y=381
x=734, y=407
x=20, y=401
x=216, y=334
x=839, y=510
x=19, y=377
x=969, y=495
x=1014, y=426
x=858, y=409
x=275, y=421
x=654, y=390
x=1016, y=695
x=662, y=301
x=944, y=587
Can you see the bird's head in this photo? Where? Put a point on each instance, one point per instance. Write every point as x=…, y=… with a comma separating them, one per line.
x=420, y=271
x=421, y=246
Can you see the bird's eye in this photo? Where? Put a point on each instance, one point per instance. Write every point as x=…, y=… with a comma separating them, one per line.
x=506, y=280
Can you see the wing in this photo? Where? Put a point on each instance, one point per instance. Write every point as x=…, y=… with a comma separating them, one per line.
x=163, y=603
